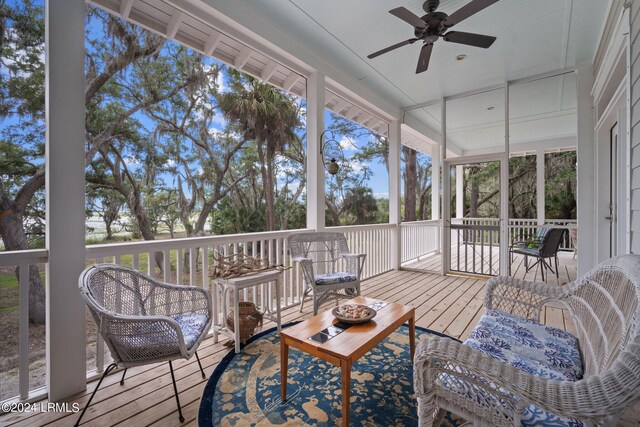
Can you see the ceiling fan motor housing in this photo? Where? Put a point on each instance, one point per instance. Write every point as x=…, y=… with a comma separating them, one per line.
x=430, y=5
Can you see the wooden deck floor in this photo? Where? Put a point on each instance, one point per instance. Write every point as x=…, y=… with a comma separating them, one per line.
x=447, y=304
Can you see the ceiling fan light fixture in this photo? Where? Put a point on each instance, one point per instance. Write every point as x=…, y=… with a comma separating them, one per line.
x=461, y=57
x=434, y=25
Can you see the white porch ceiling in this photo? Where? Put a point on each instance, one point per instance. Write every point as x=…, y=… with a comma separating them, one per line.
x=533, y=37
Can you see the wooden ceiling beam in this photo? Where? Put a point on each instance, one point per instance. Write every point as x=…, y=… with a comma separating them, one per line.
x=240, y=61
x=290, y=81
x=212, y=43
x=174, y=25
x=125, y=8
x=268, y=71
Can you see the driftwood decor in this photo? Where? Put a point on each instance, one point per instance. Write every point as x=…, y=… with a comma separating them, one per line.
x=239, y=264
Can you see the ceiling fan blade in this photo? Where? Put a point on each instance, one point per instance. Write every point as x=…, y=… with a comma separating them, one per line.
x=423, y=59
x=467, y=10
x=471, y=39
x=408, y=16
x=390, y=48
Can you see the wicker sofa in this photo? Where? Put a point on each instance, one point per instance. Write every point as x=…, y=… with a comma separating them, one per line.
x=514, y=371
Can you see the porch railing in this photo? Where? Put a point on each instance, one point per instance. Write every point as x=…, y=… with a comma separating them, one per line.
x=477, y=248
x=188, y=260
x=373, y=240
x=419, y=238
x=523, y=229
x=23, y=262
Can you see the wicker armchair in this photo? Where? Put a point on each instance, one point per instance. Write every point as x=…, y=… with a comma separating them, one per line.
x=144, y=321
x=329, y=268
x=476, y=385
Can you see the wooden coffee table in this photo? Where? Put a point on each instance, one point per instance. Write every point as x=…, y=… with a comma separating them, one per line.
x=347, y=347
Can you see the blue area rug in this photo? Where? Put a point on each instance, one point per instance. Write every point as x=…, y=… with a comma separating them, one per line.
x=244, y=389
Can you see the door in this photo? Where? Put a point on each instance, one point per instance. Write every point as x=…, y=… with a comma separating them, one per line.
x=473, y=216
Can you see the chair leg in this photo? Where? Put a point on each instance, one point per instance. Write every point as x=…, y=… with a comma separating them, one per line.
x=200, y=364
x=315, y=304
x=304, y=295
x=104, y=374
x=557, y=269
x=175, y=390
x=123, y=374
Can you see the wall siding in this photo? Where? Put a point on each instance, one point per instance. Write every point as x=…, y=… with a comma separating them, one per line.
x=634, y=74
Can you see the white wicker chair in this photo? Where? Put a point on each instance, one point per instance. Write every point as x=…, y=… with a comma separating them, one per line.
x=329, y=268
x=143, y=320
x=605, y=304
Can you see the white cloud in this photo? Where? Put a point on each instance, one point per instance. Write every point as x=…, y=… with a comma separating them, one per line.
x=347, y=144
x=222, y=85
x=357, y=166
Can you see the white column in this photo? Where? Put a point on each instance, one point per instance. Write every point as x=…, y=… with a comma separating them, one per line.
x=460, y=191
x=445, y=236
x=504, y=192
x=540, y=203
x=435, y=182
x=315, y=168
x=585, y=174
x=65, y=196
x=395, y=137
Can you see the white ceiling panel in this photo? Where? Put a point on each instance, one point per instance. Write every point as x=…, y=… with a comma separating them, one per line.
x=533, y=37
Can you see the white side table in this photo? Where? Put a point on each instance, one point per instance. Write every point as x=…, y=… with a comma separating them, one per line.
x=221, y=289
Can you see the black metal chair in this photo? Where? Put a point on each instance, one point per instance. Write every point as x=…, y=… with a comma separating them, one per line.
x=544, y=247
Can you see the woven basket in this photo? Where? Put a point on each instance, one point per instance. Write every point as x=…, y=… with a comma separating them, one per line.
x=249, y=317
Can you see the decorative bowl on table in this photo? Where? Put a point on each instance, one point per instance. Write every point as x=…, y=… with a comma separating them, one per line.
x=353, y=313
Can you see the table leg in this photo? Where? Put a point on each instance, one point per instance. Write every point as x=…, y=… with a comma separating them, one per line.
x=215, y=312
x=412, y=334
x=346, y=391
x=284, y=365
x=277, y=284
x=236, y=319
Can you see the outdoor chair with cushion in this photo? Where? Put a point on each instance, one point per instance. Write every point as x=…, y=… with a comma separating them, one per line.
x=514, y=371
x=143, y=320
x=544, y=247
x=329, y=268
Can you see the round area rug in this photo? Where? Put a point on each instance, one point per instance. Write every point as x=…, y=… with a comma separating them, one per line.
x=244, y=389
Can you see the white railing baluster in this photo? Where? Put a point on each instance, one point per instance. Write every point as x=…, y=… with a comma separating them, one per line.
x=205, y=267
x=179, y=259
x=166, y=265
x=23, y=379
x=99, y=340
x=150, y=260
x=193, y=266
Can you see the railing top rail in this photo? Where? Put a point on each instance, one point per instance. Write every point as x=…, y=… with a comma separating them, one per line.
x=532, y=220
x=475, y=227
x=431, y=222
x=186, y=242
x=28, y=257
x=361, y=227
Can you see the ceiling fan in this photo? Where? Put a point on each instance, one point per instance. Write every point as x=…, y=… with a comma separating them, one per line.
x=434, y=25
